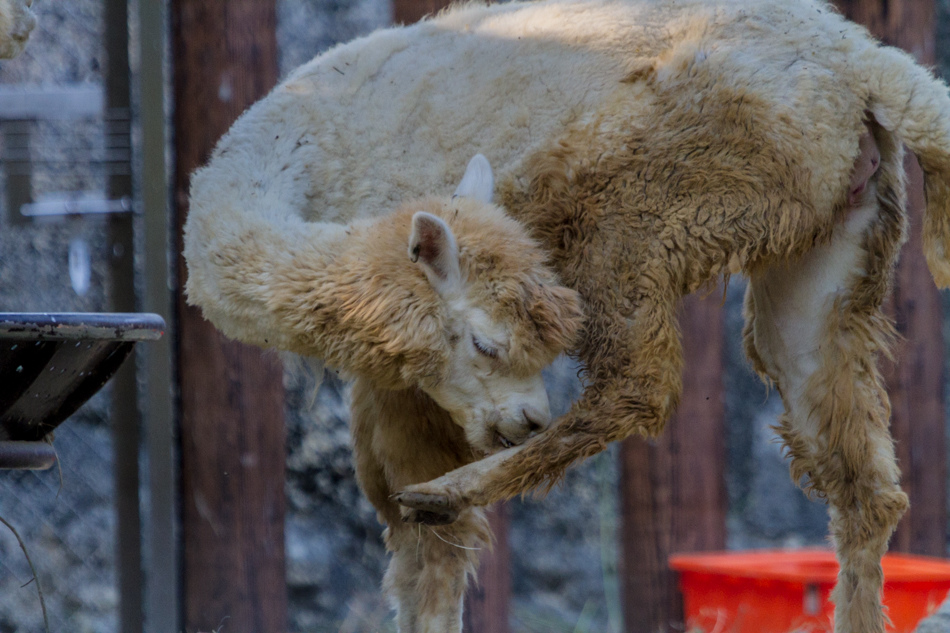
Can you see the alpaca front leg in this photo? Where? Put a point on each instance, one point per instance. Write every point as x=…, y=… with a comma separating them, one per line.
x=426, y=585
x=400, y=437
x=429, y=571
x=401, y=578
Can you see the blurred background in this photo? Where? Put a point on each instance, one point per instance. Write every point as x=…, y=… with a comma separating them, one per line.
x=90, y=118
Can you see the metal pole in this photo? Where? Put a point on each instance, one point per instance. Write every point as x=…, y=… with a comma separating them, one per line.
x=125, y=410
x=233, y=450
x=161, y=551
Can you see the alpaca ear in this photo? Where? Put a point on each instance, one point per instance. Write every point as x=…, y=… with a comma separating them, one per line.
x=432, y=246
x=478, y=182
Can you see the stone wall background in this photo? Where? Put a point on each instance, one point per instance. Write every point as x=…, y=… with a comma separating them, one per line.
x=564, y=552
x=66, y=518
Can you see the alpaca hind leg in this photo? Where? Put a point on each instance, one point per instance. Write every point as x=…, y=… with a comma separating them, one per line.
x=402, y=578
x=865, y=503
x=815, y=328
x=864, y=514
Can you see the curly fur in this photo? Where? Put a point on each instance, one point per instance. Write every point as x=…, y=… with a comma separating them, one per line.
x=651, y=147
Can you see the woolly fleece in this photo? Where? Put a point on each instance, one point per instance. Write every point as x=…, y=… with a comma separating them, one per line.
x=649, y=146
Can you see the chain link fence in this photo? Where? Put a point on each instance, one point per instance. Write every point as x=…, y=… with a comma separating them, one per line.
x=67, y=520
x=55, y=150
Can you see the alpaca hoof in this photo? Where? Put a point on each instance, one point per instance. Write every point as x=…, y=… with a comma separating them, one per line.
x=430, y=509
x=429, y=518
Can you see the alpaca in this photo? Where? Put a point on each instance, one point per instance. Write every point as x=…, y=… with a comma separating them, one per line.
x=652, y=147
x=16, y=24
x=443, y=312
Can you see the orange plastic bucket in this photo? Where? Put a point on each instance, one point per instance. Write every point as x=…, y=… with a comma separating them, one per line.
x=788, y=591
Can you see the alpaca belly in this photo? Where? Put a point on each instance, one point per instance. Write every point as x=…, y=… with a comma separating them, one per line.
x=793, y=303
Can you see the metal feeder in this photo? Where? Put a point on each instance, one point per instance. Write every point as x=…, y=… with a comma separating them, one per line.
x=50, y=364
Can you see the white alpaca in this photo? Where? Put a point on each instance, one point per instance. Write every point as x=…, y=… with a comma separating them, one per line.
x=650, y=146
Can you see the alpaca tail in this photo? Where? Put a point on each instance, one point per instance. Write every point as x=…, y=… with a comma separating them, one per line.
x=908, y=101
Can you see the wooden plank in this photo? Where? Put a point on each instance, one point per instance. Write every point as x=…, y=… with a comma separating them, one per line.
x=907, y=24
x=232, y=429
x=673, y=493
x=915, y=383
x=915, y=386
x=19, y=181
x=409, y=11
x=645, y=583
x=25, y=102
x=697, y=433
x=486, y=602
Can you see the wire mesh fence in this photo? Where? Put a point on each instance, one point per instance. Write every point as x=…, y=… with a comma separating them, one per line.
x=57, y=149
x=66, y=519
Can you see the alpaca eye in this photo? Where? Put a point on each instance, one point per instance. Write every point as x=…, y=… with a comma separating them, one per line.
x=483, y=349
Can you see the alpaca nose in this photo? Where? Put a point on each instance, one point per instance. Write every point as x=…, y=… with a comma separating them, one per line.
x=536, y=419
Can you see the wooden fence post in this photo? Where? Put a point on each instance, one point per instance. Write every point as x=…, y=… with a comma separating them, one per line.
x=486, y=603
x=232, y=413
x=672, y=491
x=409, y=11
x=915, y=382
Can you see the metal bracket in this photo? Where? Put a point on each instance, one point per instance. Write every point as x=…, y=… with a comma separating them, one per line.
x=26, y=455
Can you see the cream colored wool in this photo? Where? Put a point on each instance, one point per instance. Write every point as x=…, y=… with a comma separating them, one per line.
x=650, y=146
x=16, y=24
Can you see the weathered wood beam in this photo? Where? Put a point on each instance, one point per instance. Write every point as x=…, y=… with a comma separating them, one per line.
x=231, y=395
x=672, y=490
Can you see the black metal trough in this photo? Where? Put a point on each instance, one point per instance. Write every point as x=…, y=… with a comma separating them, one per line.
x=50, y=364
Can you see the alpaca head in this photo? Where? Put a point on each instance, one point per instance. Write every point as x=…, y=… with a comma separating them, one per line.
x=496, y=311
